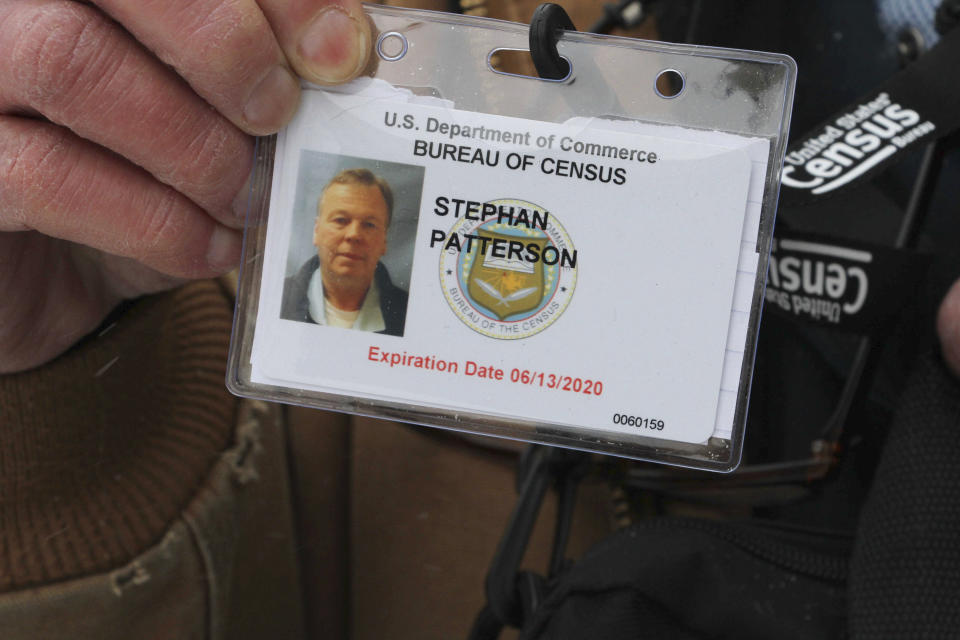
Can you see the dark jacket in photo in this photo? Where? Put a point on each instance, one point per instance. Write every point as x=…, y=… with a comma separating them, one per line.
x=393, y=299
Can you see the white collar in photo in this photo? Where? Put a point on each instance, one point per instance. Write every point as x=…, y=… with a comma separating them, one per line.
x=369, y=317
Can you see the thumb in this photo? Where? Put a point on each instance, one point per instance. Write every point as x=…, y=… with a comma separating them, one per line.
x=325, y=41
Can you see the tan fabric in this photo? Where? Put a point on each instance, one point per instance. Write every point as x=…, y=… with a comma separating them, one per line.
x=320, y=467
x=406, y=520
x=101, y=449
x=224, y=569
x=427, y=512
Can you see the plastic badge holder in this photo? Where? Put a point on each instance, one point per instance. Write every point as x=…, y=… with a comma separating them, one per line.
x=585, y=257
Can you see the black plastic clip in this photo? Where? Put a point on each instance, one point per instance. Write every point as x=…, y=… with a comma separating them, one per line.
x=548, y=21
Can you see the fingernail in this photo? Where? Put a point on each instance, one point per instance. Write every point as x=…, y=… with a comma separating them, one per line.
x=241, y=203
x=223, y=252
x=273, y=102
x=333, y=46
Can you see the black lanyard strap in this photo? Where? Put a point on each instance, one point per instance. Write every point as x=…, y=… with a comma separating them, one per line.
x=918, y=104
x=841, y=283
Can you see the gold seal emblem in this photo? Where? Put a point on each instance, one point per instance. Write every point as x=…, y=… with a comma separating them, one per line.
x=512, y=274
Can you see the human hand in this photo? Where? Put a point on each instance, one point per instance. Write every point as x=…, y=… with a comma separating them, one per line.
x=948, y=328
x=126, y=142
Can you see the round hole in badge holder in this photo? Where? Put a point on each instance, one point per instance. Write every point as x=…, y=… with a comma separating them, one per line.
x=391, y=46
x=669, y=83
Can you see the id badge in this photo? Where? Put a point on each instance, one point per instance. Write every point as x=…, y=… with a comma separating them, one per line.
x=577, y=262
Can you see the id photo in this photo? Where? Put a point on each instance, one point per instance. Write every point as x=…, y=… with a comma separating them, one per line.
x=351, y=243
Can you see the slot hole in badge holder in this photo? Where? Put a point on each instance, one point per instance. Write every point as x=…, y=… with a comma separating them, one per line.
x=669, y=84
x=391, y=46
x=519, y=64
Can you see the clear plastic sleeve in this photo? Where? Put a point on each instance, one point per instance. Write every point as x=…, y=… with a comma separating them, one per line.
x=645, y=316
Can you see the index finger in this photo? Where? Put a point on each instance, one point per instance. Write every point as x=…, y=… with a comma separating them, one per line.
x=225, y=49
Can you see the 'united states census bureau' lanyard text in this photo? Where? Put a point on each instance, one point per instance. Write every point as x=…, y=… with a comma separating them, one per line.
x=918, y=104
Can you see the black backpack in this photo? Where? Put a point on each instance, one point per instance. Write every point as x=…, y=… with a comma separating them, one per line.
x=897, y=575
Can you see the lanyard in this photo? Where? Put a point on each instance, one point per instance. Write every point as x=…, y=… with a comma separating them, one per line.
x=916, y=105
x=844, y=284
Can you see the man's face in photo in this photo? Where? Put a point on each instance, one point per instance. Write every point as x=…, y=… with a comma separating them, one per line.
x=350, y=233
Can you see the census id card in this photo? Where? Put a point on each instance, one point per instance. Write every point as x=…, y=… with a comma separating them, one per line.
x=593, y=274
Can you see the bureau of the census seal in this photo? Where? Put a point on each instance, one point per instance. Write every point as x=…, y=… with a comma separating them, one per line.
x=512, y=276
